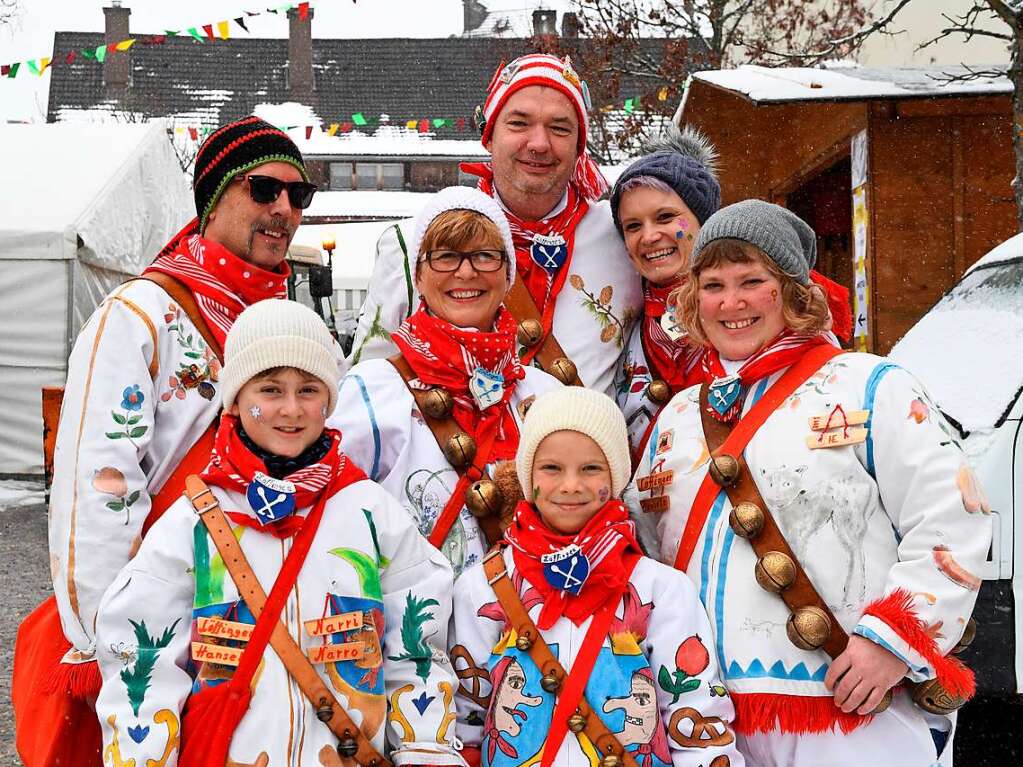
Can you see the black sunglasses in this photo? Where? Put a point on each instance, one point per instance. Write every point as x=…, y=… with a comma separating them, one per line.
x=266, y=189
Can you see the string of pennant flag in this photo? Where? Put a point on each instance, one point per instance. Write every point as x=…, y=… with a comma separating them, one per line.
x=217, y=30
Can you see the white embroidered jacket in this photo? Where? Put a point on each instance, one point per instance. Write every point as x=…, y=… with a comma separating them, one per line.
x=386, y=436
x=598, y=304
x=141, y=389
x=897, y=508
x=655, y=683
x=167, y=610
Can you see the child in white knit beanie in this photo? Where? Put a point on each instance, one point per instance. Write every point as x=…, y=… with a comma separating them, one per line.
x=587, y=594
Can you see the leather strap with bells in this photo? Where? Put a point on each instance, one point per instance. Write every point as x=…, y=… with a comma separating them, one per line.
x=543, y=347
x=529, y=639
x=812, y=625
x=479, y=493
x=351, y=741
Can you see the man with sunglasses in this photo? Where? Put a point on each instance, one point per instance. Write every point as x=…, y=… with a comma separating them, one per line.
x=573, y=273
x=140, y=400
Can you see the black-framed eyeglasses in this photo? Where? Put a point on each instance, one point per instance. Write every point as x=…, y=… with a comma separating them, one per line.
x=266, y=189
x=451, y=260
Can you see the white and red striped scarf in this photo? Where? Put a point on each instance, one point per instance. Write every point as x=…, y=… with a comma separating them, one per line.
x=677, y=363
x=609, y=543
x=222, y=283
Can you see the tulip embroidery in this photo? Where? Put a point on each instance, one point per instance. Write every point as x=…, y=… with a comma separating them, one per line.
x=691, y=658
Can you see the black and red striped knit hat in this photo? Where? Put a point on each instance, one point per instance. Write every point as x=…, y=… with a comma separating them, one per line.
x=236, y=148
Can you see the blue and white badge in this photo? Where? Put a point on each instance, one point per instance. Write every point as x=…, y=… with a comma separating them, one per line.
x=486, y=387
x=270, y=498
x=567, y=569
x=549, y=252
x=724, y=393
x=670, y=324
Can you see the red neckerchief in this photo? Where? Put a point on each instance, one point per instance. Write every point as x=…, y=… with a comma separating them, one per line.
x=543, y=287
x=674, y=362
x=233, y=466
x=609, y=542
x=778, y=354
x=223, y=284
x=441, y=354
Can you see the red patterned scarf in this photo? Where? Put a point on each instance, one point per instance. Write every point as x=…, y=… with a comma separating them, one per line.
x=233, y=467
x=543, y=284
x=223, y=284
x=443, y=355
x=676, y=362
x=780, y=353
x=608, y=542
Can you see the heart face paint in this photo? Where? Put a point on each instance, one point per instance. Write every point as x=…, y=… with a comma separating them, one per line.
x=603, y=494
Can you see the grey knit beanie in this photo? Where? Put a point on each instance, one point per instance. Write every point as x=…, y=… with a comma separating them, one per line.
x=686, y=161
x=781, y=234
x=275, y=333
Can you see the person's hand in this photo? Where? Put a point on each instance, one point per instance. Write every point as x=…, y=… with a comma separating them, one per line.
x=861, y=675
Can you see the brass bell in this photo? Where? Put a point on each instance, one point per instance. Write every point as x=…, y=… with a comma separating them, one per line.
x=611, y=760
x=808, y=628
x=564, y=370
x=658, y=391
x=348, y=748
x=577, y=722
x=886, y=701
x=530, y=333
x=523, y=642
x=775, y=572
x=724, y=470
x=483, y=498
x=460, y=450
x=437, y=403
x=324, y=711
x=969, y=634
x=550, y=683
x=746, y=520
x=933, y=698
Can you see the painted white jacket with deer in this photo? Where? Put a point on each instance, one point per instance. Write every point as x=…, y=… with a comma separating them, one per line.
x=385, y=434
x=141, y=389
x=597, y=306
x=895, y=511
x=174, y=606
x=655, y=683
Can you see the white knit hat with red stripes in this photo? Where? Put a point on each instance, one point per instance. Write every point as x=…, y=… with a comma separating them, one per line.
x=550, y=72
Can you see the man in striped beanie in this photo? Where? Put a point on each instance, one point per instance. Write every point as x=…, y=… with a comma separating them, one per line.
x=140, y=398
x=574, y=277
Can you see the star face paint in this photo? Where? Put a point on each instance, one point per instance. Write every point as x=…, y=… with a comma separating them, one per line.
x=255, y=412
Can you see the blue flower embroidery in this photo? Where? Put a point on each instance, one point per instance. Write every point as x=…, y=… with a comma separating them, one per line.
x=133, y=398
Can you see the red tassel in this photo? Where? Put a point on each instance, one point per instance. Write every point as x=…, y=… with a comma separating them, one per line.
x=591, y=182
x=896, y=610
x=797, y=714
x=838, y=304
x=79, y=680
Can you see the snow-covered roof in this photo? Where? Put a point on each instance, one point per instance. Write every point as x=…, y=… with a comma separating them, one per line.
x=367, y=204
x=392, y=142
x=355, y=253
x=1011, y=248
x=767, y=85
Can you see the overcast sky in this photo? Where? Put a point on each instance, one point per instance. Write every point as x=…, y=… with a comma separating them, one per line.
x=31, y=36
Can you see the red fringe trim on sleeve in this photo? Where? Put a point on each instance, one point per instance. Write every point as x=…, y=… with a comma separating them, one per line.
x=896, y=610
x=796, y=714
x=79, y=680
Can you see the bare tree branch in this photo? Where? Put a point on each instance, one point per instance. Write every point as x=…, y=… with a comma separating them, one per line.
x=970, y=75
x=848, y=42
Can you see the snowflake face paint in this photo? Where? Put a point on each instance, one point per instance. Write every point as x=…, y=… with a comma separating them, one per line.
x=255, y=412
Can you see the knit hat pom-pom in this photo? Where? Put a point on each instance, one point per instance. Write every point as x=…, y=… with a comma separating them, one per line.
x=687, y=141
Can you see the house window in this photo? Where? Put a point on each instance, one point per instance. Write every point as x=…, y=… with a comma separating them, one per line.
x=345, y=176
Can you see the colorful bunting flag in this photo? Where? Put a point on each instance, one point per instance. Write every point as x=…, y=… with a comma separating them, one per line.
x=70, y=58
x=630, y=105
x=33, y=67
x=5, y=70
x=358, y=119
x=308, y=132
x=412, y=124
x=12, y=70
x=303, y=11
x=333, y=129
x=222, y=30
x=195, y=33
x=208, y=29
x=101, y=53
x=662, y=94
x=125, y=44
x=439, y=122
x=193, y=134
x=240, y=21
x=460, y=123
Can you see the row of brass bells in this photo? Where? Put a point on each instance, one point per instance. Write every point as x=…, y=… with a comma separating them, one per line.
x=775, y=572
x=564, y=370
x=724, y=470
x=523, y=642
x=460, y=450
x=437, y=403
x=746, y=520
x=658, y=391
x=550, y=683
x=483, y=498
x=577, y=722
x=348, y=747
x=530, y=333
x=808, y=628
x=932, y=697
x=324, y=711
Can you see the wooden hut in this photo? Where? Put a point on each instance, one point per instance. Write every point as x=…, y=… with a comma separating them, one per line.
x=905, y=176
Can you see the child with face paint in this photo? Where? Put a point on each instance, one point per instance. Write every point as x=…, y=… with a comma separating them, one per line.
x=364, y=597
x=574, y=561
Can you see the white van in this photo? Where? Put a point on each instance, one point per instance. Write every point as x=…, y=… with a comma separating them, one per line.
x=968, y=352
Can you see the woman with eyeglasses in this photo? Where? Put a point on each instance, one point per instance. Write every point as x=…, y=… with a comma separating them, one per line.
x=430, y=422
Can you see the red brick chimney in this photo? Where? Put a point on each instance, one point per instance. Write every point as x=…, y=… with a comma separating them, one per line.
x=570, y=25
x=116, y=66
x=300, y=55
x=545, y=23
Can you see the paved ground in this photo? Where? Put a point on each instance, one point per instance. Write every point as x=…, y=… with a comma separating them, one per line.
x=989, y=732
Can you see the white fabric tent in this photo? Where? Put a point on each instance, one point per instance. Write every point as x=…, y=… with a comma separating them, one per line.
x=82, y=208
